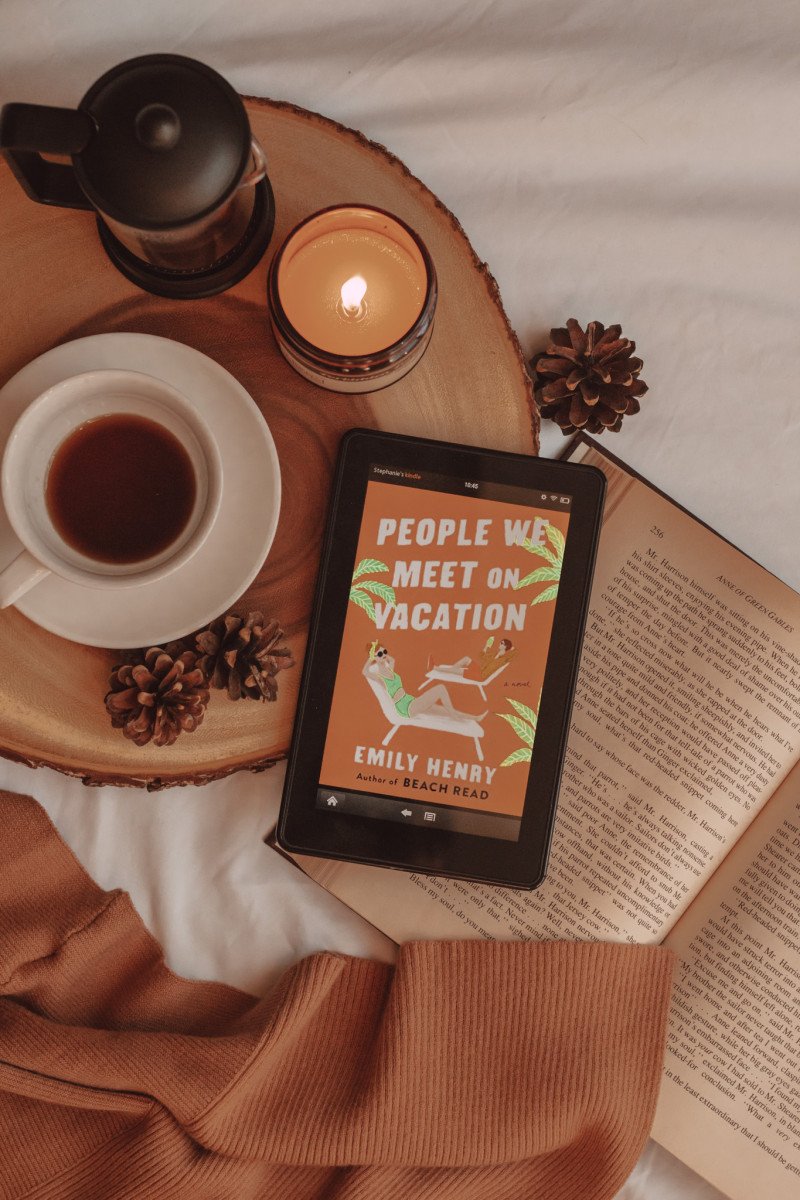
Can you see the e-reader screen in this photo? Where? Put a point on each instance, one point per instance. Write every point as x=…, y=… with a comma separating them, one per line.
x=444, y=651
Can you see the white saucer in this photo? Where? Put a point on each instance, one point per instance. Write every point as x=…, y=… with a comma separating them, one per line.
x=232, y=555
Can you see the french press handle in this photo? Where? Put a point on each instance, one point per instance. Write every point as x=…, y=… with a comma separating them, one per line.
x=27, y=131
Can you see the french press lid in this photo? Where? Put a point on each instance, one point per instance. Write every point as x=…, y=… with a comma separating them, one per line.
x=169, y=144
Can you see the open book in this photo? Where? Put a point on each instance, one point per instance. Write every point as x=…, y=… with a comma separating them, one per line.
x=678, y=821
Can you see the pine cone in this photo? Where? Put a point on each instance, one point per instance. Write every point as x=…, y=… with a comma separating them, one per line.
x=132, y=657
x=243, y=656
x=158, y=697
x=587, y=380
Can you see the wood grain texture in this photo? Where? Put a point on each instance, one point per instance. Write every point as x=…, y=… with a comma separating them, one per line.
x=471, y=386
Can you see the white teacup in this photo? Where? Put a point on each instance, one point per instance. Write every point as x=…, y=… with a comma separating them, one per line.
x=45, y=425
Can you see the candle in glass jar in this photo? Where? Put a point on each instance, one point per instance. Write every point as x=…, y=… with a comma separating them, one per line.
x=352, y=298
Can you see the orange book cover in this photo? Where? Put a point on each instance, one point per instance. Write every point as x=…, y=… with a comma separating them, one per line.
x=444, y=647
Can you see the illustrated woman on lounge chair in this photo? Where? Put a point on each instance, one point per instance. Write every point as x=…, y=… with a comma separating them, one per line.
x=436, y=701
x=432, y=710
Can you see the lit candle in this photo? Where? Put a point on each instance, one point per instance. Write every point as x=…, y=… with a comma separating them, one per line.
x=352, y=295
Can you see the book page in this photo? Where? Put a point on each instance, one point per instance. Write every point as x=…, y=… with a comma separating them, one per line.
x=683, y=725
x=730, y=1102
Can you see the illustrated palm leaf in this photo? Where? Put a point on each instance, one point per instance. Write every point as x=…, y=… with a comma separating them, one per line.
x=361, y=593
x=554, y=554
x=363, y=601
x=548, y=594
x=521, y=755
x=556, y=539
x=539, y=576
x=524, y=725
x=369, y=566
x=522, y=729
x=382, y=590
x=525, y=711
x=542, y=551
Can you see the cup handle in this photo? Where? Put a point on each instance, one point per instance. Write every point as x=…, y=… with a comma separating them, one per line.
x=259, y=168
x=19, y=576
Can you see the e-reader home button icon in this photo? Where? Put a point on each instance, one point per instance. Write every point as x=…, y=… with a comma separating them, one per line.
x=332, y=800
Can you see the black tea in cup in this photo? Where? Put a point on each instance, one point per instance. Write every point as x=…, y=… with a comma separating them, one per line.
x=120, y=489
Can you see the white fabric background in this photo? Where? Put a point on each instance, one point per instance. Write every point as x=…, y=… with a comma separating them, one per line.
x=629, y=160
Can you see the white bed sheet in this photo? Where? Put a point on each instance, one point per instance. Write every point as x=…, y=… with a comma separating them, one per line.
x=628, y=160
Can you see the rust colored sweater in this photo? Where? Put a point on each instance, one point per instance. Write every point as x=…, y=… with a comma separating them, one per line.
x=493, y=1071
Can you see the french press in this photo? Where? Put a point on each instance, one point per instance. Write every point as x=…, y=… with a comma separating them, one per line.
x=161, y=149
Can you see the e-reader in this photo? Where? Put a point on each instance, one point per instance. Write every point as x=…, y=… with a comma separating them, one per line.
x=441, y=664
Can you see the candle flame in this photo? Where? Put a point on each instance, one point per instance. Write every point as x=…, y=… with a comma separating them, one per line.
x=353, y=292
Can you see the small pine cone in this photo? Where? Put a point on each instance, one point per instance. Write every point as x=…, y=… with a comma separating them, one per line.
x=173, y=649
x=587, y=380
x=243, y=655
x=158, y=697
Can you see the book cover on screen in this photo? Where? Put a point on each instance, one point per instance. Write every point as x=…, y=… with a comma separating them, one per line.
x=445, y=645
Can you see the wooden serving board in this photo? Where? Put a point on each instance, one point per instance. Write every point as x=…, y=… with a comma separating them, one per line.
x=471, y=387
